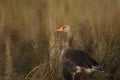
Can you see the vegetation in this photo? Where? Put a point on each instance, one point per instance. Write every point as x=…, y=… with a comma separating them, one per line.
x=30, y=46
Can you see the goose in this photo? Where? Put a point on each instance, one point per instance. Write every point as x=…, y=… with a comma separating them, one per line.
x=75, y=60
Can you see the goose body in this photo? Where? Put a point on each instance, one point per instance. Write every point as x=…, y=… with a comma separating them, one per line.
x=75, y=60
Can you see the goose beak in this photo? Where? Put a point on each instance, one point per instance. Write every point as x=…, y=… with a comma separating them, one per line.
x=59, y=29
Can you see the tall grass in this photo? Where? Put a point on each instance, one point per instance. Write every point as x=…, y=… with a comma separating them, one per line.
x=30, y=26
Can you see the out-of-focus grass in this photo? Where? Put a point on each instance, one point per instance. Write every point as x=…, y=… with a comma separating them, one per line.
x=31, y=27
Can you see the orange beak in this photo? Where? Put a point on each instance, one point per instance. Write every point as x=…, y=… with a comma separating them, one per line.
x=59, y=29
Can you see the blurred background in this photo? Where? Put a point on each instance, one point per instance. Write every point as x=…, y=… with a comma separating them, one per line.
x=30, y=46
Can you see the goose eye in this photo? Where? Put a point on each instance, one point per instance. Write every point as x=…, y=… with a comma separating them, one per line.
x=64, y=27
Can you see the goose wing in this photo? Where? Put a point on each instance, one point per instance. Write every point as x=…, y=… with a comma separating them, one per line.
x=74, y=57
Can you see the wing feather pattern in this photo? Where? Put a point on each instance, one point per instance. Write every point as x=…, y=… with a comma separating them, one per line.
x=72, y=58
